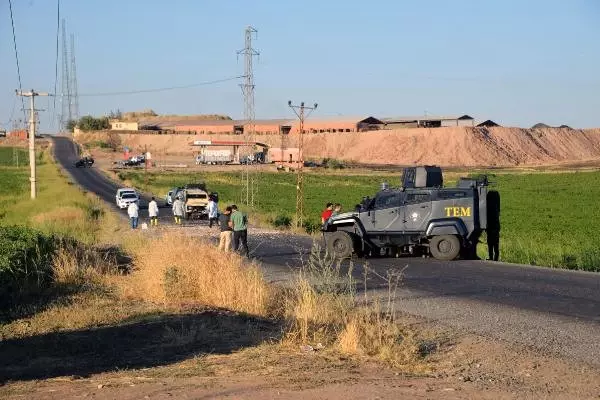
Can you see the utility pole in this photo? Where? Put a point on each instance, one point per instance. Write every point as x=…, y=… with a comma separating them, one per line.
x=248, y=188
x=65, y=99
x=31, y=94
x=301, y=113
x=73, y=82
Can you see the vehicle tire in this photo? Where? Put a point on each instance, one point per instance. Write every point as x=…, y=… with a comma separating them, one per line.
x=339, y=244
x=444, y=247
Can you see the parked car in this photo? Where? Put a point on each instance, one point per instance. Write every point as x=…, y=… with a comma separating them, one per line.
x=172, y=195
x=122, y=191
x=126, y=199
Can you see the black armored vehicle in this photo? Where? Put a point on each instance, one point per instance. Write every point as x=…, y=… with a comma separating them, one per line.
x=420, y=217
x=85, y=162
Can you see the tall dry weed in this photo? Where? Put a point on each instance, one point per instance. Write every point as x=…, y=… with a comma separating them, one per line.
x=178, y=269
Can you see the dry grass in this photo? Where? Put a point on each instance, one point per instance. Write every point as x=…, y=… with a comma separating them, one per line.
x=176, y=269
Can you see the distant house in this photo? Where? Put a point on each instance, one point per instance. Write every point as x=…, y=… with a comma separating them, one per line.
x=428, y=121
x=488, y=123
x=123, y=126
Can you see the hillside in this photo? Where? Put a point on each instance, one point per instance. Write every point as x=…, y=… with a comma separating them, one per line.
x=457, y=146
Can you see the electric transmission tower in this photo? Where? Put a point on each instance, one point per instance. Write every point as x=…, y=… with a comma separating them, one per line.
x=73, y=82
x=249, y=187
x=65, y=98
x=301, y=113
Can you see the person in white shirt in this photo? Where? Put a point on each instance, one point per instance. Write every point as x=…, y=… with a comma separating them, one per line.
x=153, y=212
x=213, y=212
x=178, y=210
x=133, y=212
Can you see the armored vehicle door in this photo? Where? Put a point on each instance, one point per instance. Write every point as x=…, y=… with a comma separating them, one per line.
x=417, y=210
x=382, y=213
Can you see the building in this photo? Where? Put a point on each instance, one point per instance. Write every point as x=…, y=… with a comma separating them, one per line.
x=123, y=126
x=428, y=121
x=271, y=126
x=338, y=125
x=19, y=134
x=488, y=123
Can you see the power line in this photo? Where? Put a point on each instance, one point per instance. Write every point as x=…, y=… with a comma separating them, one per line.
x=164, y=89
x=12, y=21
x=56, y=62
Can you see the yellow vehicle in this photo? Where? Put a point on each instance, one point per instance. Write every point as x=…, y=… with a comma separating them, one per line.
x=195, y=198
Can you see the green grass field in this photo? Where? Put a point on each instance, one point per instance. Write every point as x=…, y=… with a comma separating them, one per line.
x=547, y=219
x=60, y=207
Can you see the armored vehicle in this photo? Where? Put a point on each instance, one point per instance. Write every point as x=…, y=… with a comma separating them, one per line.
x=421, y=216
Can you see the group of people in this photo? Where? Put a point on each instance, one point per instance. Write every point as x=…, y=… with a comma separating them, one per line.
x=232, y=222
x=133, y=211
x=331, y=210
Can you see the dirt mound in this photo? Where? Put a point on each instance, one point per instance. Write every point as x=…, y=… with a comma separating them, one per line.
x=456, y=146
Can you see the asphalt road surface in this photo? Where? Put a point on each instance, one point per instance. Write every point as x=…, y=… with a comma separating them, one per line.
x=552, y=311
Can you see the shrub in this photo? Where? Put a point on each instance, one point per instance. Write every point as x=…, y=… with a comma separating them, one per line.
x=25, y=258
x=282, y=221
x=333, y=163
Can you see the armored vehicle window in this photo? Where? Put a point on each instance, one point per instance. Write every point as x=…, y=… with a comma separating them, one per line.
x=451, y=194
x=387, y=200
x=415, y=198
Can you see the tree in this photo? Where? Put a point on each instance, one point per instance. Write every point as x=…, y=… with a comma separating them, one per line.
x=114, y=141
x=116, y=114
x=89, y=123
x=71, y=125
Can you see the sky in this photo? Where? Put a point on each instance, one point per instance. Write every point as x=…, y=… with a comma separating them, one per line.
x=515, y=62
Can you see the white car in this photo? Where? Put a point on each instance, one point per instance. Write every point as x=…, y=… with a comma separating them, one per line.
x=121, y=191
x=126, y=199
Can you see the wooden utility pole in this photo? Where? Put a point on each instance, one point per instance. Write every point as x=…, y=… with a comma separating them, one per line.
x=32, y=94
x=302, y=114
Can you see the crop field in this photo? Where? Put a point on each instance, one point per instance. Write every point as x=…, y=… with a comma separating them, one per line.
x=547, y=219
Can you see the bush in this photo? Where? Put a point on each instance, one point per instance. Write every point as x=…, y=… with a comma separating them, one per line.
x=25, y=258
x=282, y=221
x=333, y=163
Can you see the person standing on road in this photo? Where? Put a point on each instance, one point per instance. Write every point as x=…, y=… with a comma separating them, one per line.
x=239, y=224
x=493, y=225
x=213, y=211
x=133, y=212
x=226, y=230
x=153, y=212
x=326, y=214
x=178, y=210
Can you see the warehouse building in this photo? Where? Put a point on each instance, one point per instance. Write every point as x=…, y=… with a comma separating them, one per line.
x=428, y=121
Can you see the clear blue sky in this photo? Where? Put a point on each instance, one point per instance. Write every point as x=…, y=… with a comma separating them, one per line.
x=518, y=62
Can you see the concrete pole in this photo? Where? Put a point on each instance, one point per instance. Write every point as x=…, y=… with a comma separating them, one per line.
x=32, y=166
x=32, y=177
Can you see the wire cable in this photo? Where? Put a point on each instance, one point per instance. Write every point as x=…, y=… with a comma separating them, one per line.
x=164, y=89
x=53, y=120
x=12, y=21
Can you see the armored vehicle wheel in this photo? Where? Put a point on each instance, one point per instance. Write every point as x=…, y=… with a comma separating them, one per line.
x=444, y=247
x=339, y=244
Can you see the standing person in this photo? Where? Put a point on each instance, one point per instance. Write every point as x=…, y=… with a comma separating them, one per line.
x=178, y=210
x=326, y=214
x=226, y=230
x=153, y=212
x=239, y=223
x=493, y=225
x=337, y=209
x=213, y=211
x=133, y=212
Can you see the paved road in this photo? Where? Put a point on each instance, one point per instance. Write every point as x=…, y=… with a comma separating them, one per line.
x=554, y=311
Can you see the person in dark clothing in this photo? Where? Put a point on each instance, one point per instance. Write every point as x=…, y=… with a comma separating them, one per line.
x=226, y=231
x=493, y=225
